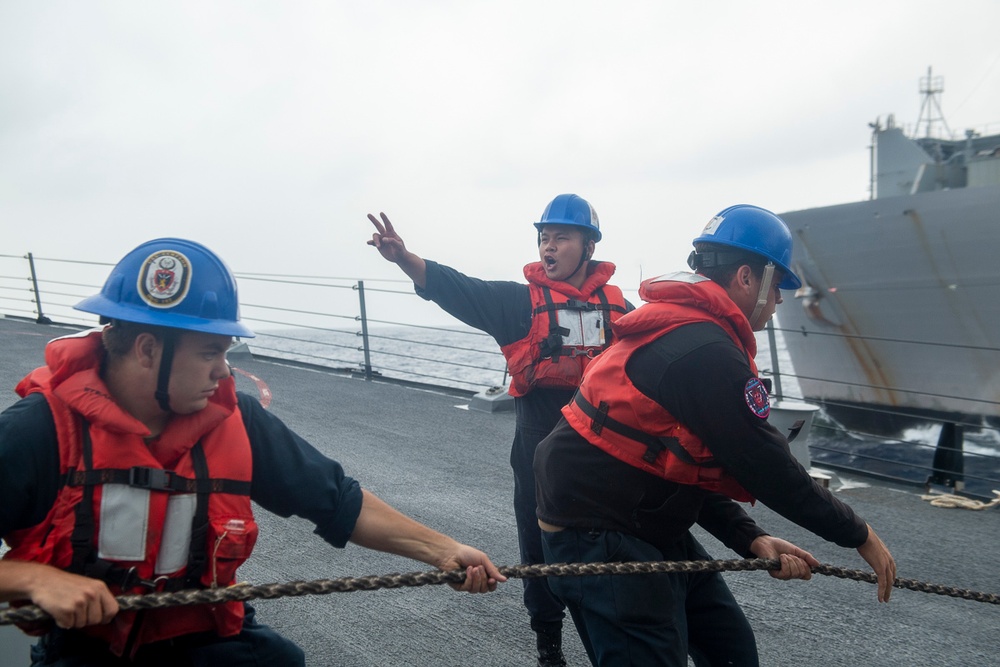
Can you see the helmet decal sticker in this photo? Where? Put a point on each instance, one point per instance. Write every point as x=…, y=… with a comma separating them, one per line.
x=712, y=225
x=164, y=279
x=756, y=397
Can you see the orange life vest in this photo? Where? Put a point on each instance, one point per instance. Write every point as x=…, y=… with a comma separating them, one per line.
x=569, y=327
x=613, y=415
x=189, y=489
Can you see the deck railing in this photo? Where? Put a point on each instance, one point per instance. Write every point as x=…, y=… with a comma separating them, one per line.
x=341, y=323
x=379, y=328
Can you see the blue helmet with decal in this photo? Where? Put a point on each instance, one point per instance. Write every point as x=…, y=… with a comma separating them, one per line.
x=571, y=210
x=756, y=230
x=171, y=283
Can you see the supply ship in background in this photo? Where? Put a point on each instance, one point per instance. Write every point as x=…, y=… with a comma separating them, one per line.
x=898, y=318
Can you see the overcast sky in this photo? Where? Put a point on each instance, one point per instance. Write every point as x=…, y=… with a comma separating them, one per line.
x=268, y=130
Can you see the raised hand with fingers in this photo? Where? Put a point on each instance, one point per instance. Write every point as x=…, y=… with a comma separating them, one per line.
x=391, y=247
x=386, y=240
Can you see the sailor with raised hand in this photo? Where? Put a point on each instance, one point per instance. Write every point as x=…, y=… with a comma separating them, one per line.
x=548, y=330
x=668, y=429
x=130, y=464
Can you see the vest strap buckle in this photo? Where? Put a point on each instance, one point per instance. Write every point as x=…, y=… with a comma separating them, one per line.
x=155, y=479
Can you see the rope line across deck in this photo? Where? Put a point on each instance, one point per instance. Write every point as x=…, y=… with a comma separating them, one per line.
x=244, y=592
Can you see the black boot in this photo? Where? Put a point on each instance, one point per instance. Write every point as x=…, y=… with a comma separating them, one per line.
x=550, y=648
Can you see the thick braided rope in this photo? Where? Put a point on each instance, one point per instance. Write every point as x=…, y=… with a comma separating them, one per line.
x=911, y=584
x=243, y=592
x=952, y=500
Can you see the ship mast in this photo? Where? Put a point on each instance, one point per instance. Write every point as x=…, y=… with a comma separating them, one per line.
x=931, y=88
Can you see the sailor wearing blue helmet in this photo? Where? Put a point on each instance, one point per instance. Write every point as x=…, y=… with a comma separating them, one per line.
x=548, y=330
x=669, y=428
x=129, y=466
x=745, y=233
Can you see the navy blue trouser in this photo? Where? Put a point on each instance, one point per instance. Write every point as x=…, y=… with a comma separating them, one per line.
x=256, y=646
x=544, y=608
x=655, y=619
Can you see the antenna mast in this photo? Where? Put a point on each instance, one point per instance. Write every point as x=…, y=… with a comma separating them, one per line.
x=930, y=108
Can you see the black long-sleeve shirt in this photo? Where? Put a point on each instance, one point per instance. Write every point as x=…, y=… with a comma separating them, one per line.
x=699, y=376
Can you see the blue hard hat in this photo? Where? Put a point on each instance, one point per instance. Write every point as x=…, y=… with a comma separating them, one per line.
x=757, y=230
x=571, y=210
x=171, y=283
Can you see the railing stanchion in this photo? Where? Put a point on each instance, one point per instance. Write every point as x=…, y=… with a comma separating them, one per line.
x=41, y=319
x=364, y=330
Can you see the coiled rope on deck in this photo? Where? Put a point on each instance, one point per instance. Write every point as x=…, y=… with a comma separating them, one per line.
x=952, y=500
x=244, y=592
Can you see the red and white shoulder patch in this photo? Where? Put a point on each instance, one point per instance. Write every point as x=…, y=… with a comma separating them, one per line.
x=756, y=397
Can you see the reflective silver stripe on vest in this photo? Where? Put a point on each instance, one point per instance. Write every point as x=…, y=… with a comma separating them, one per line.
x=123, y=523
x=176, y=543
x=586, y=327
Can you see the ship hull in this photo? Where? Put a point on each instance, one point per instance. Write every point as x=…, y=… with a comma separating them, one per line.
x=900, y=308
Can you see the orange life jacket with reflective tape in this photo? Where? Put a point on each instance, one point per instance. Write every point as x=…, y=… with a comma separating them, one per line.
x=613, y=415
x=569, y=327
x=169, y=514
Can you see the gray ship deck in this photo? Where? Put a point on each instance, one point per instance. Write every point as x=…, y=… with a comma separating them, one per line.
x=448, y=466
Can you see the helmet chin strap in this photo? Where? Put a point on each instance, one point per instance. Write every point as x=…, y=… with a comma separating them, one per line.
x=583, y=258
x=163, y=377
x=763, y=293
